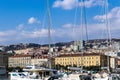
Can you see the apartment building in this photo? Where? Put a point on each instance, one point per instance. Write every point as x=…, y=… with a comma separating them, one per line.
x=19, y=60
x=91, y=59
x=22, y=60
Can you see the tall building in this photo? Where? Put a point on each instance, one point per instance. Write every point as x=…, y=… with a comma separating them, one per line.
x=77, y=45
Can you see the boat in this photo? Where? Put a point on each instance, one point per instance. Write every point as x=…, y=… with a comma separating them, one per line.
x=105, y=76
x=98, y=76
x=17, y=76
x=33, y=72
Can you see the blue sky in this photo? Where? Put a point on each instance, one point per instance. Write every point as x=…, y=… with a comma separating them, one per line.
x=24, y=21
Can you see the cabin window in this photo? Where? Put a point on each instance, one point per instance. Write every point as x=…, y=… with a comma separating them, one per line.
x=22, y=74
x=28, y=67
x=14, y=74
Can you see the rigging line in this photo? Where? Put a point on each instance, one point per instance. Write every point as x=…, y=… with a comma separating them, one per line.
x=107, y=22
x=75, y=17
x=74, y=27
x=43, y=26
x=49, y=33
x=44, y=19
x=85, y=19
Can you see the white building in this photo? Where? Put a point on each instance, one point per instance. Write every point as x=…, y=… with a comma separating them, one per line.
x=38, y=61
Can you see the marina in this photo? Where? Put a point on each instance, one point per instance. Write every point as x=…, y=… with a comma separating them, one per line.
x=80, y=59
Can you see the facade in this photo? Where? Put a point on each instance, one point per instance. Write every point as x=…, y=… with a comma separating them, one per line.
x=39, y=61
x=4, y=59
x=25, y=60
x=23, y=51
x=78, y=45
x=79, y=60
x=118, y=62
x=19, y=61
x=112, y=62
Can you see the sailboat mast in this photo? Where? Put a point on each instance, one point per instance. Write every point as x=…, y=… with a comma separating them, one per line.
x=81, y=21
x=49, y=33
x=107, y=22
x=85, y=19
x=108, y=31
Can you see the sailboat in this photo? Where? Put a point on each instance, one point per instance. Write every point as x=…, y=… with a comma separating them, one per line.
x=102, y=75
x=108, y=75
x=32, y=72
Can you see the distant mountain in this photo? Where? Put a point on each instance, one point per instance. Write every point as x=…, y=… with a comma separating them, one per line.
x=103, y=40
x=59, y=44
x=34, y=45
x=21, y=46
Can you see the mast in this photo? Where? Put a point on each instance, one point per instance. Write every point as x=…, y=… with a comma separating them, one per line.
x=85, y=19
x=49, y=34
x=81, y=21
x=86, y=27
x=108, y=31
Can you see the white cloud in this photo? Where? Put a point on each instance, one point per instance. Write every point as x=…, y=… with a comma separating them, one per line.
x=62, y=34
x=36, y=33
x=95, y=30
x=7, y=33
x=20, y=26
x=65, y=4
x=113, y=14
x=7, y=36
x=15, y=35
x=91, y=3
x=33, y=20
x=70, y=4
x=68, y=25
x=113, y=18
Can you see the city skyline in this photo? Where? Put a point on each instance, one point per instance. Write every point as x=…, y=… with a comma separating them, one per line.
x=25, y=21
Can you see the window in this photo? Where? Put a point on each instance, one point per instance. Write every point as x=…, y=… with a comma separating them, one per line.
x=97, y=63
x=96, y=57
x=23, y=75
x=14, y=74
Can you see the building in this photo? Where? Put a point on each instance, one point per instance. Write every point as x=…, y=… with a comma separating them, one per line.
x=19, y=60
x=112, y=62
x=86, y=60
x=77, y=45
x=4, y=59
x=25, y=60
x=24, y=51
x=39, y=61
x=118, y=63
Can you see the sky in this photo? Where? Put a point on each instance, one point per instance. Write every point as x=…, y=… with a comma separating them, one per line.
x=26, y=21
